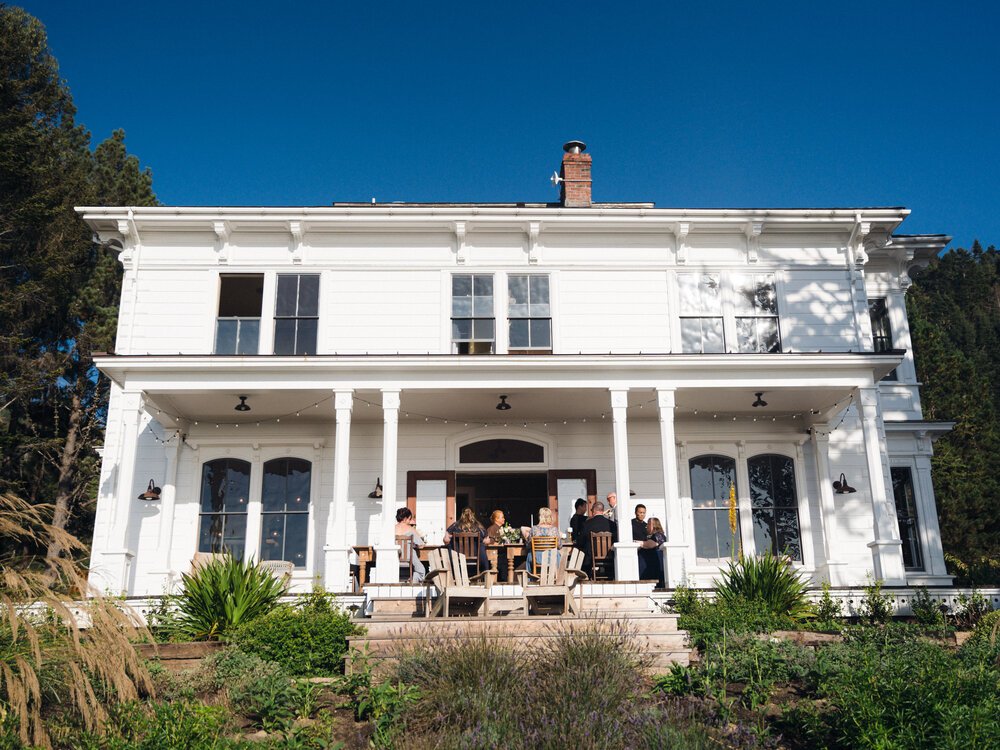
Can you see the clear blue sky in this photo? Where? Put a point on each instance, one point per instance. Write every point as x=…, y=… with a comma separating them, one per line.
x=685, y=104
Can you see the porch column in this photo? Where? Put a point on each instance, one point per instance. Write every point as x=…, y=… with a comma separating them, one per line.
x=172, y=449
x=386, y=552
x=118, y=557
x=833, y=570
x=626, y=551
x=336, y=566
x=887, y=549
x=675, y=551
x=934, y=564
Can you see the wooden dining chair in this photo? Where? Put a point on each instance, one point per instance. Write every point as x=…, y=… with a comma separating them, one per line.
x=600, y=553
x=405, y=544
x=539, y=544
x=467, y=543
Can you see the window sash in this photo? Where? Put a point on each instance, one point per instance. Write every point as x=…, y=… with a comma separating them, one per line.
x=711, y=477
x=237, y=335
x=906, y=515
x=472, y=318
x=774, y=499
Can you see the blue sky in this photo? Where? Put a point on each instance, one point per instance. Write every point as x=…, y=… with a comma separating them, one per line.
x=685, y=104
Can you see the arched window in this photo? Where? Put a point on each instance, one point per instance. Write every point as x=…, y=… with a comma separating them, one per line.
x=225, y=491
x=714, y=534
x=775, y=505
x=501, y=451
x=285, y=510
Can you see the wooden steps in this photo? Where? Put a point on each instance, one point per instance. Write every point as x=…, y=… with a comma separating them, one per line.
x=655, y=634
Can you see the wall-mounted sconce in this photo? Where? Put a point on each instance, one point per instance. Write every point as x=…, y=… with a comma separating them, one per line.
x=376, y=493
x=842, y=487
x=152, y=492
x=242, y=405
x=503, y=405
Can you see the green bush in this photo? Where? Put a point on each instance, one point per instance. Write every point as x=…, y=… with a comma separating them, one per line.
x=180, y=725
x=988, y=628
x=707, y=622
x=306, y=639
x=770, y=580
x=926, y=610
x=225, y=593
x=875, y=607
x=829, y=611
x=971, y=609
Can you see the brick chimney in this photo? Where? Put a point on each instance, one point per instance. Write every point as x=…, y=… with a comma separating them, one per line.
x=575, y=174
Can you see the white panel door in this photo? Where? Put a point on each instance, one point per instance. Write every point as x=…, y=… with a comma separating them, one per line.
x=432, y=497
x=568, y=491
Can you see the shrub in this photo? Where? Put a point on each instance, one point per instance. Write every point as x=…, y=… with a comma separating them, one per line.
x=875, y=607
x=926, y=610
x=829, y=611
x=306, y=640
x=988, y=628
x=769, y=580
x=971, y=609
x=223, y=594
x=711, y=620
x=180, y=725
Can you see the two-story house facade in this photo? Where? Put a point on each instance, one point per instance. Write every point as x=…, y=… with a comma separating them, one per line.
x=273, y=364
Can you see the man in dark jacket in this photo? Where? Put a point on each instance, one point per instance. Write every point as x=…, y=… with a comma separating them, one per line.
x=576, y=523
x=599, y=523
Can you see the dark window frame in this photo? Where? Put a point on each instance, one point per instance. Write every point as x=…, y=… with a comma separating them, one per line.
x=244, y=341
x=285, y=462
x=304, y=318
x=217, y=510
x=760, y=508
x=904, y=495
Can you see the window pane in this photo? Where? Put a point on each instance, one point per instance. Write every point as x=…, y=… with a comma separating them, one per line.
x=272, y=536
x=299, y=475
x=518, y=288
x=483, y=329
x=706, y=539
x=765, y=295
x=308, y=295
x=691, y=335
x=763, y=530
x=284, y=336
x=237, y=489
x=712, y=340
x=519, y=334
x=482, y=307
x=760, y=483
x=287, y=291
x=234, y=534
x=482, y=286
x=540, y=335
x=210, y=533
x=461, y=307
x=296, y=529
x=461, y=330
x=746, y=334
x=305, y=340
x=273, y=491
x=249, y=333
x=518, y=311
x=906, y=514
x=461, y=285
x=787, y=528
x=240, y=296
x=225, y=336
x=539, y=290
x=767, y=330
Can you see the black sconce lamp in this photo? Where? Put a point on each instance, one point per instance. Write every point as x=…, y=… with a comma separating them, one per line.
x=503, y=405
x=759, y=401
x=376, y=493
x=152, y=492
x=242, y=405
x=842, y=487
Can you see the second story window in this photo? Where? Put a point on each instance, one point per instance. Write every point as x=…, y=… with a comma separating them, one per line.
x=296, y=314
x=530, y=314
x=472, y=330
x=237, y=328
x=701, y=313
x=881, y=332
x=756, y=308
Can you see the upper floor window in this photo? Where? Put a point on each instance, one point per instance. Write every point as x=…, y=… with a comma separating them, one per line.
x=529, y=313
x=472, y=329
x=881, y=331
x=237, y=328
x=296, y=314
x=756, y=309
x=906, y=514
x=701, y=313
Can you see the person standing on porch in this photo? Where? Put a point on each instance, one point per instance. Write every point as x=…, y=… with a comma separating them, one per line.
x=577, y=522
x=655, y=538
x=612, y=508
x=639, y=534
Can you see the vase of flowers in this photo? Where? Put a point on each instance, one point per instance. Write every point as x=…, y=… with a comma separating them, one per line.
x=507, y=534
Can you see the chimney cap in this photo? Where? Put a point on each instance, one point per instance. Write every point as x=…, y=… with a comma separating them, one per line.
x=574, y=147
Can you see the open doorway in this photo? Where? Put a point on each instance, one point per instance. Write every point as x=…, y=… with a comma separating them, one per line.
x=519, y=496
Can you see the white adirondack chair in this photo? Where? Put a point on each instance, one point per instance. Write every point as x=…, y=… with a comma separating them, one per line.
x=450, y=573
x=550, y=591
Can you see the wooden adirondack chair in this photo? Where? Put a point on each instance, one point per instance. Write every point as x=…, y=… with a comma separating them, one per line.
x=450, y=573
x=551, y=590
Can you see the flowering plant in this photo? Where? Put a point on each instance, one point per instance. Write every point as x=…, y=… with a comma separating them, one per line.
x=507, y=534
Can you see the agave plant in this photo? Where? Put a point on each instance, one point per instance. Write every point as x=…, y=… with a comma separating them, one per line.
x=223, y=593
x=767, y=579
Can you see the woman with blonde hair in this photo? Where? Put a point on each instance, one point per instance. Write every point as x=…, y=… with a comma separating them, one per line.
x=650, y=550
x=544, y=528
x=468, y=524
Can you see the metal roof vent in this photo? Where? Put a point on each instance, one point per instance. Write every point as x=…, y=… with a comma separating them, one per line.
x=574, y=147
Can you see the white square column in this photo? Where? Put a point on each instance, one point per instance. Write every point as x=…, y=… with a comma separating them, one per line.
x=336, y=565
x=626, y=551
x=887, y=549
x=676, y=552
x=115, y=566
x=387, y=551
x=833, y=570
x=165, y=543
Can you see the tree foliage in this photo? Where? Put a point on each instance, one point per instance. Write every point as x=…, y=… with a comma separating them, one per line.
x=954, y=312
x=59, y=290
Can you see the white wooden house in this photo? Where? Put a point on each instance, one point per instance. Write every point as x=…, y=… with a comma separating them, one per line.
x=673, y=352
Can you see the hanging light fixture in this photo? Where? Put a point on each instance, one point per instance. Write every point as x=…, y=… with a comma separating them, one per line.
x=503, y=405
x=242, y=405
x=759, y=401
x=376, y=493
x=842, y=487
x=152, y=492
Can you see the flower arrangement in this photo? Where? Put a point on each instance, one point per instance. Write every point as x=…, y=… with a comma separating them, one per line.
x=507, y=534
